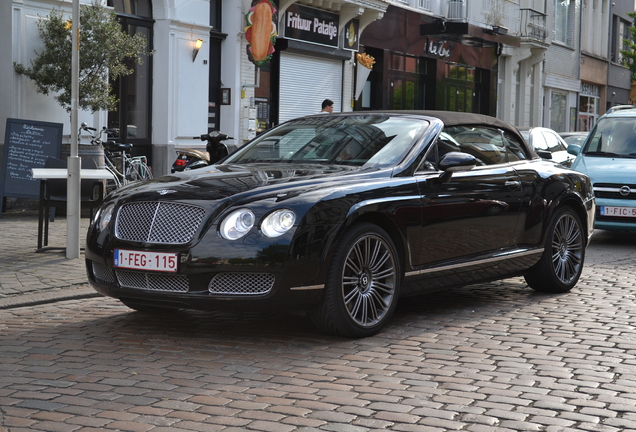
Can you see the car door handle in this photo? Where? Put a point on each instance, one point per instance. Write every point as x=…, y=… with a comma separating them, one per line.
x=513, y=184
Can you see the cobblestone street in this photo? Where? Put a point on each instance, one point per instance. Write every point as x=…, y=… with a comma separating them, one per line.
x=491, y=357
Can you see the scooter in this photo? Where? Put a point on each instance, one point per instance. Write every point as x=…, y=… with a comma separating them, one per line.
x=215, y=150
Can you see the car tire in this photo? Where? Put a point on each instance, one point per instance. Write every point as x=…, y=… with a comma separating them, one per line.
x=562, y=262
x=362, y=285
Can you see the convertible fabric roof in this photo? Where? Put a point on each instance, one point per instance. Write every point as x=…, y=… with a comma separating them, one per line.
x=453, y=118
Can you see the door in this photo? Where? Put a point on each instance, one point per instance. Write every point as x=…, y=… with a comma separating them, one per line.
x=476, y=212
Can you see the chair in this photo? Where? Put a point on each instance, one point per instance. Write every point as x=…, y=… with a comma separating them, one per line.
x=53, y=193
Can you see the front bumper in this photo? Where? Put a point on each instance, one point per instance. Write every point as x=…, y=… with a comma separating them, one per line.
x=614, y=223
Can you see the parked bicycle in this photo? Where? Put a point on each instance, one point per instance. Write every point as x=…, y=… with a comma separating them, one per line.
x=124, y=168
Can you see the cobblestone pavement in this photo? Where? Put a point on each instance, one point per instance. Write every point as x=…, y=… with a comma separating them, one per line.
x=490, y=357
x=27, y=277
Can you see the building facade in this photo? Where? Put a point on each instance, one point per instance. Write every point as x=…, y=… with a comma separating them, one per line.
x=547, y=63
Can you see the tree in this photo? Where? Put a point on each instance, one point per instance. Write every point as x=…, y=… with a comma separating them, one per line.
x=629, y=55
x=106, y=51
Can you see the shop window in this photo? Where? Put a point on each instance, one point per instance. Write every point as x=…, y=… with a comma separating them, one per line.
x=460, y=87
x=404, y=63
x=558, y=113
x=589, y=102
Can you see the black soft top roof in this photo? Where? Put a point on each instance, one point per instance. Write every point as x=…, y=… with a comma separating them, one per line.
x=453, y=118
x=449, y=118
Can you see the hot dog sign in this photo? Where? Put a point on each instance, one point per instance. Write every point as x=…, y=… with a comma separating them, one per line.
x=260, y=31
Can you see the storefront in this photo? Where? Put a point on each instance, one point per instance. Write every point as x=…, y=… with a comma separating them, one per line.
x=424, y=63
x=589, y=105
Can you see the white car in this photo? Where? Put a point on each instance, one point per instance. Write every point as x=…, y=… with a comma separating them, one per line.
x=548, y=144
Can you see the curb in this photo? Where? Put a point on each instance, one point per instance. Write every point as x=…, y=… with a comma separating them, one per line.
x=52, y=296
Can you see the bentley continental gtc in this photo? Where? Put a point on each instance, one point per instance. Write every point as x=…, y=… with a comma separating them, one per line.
x=342, y=215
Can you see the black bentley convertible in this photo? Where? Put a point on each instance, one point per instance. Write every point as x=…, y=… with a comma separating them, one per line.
x=343, y=214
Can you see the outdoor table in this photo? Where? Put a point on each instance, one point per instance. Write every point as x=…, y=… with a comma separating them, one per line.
x=44, y=174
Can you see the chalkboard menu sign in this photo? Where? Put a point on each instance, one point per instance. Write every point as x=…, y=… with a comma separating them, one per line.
x=27, y=144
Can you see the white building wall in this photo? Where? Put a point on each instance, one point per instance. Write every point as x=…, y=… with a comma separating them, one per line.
x=180, y=85
x=25, y=101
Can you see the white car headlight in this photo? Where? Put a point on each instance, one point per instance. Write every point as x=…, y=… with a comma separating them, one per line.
x=105, y=215
x=278, y=222
x=237, y=224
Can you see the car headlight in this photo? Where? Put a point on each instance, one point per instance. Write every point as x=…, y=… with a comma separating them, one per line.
x=105, y=215
x=278, y=222
x=237, y=224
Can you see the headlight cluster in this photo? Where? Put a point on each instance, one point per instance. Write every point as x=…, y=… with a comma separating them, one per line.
x=239, y=222
x=104, y=217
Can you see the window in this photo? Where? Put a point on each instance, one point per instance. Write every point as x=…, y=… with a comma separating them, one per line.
x=487, y=145
x=563, y=21
x=589, y=101
x=621, y=33
x=130, y=122
x=553, y=143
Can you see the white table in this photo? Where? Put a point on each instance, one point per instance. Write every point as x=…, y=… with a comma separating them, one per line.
x=44, y=174
x=61, y=173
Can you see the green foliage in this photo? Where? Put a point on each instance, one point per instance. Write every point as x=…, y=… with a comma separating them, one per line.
x=106, y=51
x=629, y=56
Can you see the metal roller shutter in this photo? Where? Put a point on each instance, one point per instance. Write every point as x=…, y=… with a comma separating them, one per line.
x=305, y=82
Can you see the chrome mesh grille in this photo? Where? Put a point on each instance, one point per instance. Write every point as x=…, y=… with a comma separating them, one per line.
x=102, y=273
x=152, y=281
x=158, y=222
x=241, y=283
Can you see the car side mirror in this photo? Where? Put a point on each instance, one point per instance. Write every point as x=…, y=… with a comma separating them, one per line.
x=574, y=149
x=544, y=154
x=454, y=162
x=457, y=161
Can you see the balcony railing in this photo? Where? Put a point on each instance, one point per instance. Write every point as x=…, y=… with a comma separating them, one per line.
x=456, y=9
x=533, y=25
x=424, y=4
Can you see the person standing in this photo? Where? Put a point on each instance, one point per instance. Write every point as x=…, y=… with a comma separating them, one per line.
x=327, y=107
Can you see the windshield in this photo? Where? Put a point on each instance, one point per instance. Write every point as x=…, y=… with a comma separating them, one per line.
x=358, y=140
x=613, y=137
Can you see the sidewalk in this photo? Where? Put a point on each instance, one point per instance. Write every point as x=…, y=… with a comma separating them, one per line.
x=27, y=277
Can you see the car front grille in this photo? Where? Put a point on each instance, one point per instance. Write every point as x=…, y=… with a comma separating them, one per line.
x=158, y=222
x=615, y=191
x=152, y=281
x=102, y=273
x=241, y=283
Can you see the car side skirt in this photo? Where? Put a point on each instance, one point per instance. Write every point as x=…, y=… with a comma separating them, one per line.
x=518, y=253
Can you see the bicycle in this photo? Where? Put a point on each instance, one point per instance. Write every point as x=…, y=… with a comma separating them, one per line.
x=124, y=168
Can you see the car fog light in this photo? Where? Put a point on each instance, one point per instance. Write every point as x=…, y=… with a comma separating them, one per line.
x=237, y=224
x=278, y=222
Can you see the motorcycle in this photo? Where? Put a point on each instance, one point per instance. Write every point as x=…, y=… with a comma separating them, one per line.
x=215, y=150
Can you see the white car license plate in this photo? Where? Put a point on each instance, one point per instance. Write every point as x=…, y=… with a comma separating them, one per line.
x=618, y=211
x=140, y=260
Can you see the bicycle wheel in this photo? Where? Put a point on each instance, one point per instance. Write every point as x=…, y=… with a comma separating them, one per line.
x=137, y=170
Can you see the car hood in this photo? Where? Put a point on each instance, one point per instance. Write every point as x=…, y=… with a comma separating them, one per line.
x=607, y=169
x=239, y=182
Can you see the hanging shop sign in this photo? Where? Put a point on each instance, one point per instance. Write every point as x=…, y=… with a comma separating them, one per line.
x=351, y=34
x=260, y=31
x=311, y=25
x=438, y=48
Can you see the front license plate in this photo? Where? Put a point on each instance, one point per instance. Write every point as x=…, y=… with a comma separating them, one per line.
x=618, y=211
x=140, y=260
